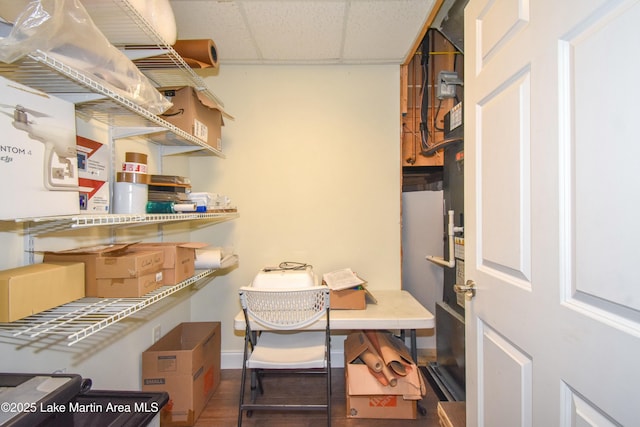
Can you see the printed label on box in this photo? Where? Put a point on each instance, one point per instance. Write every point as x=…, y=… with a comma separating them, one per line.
x=389, y=401
x=94, y=196
x=200, y=130
x=93, y=159
x=167, y=363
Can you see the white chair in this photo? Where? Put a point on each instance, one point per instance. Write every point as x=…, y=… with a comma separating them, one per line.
x=283, y=345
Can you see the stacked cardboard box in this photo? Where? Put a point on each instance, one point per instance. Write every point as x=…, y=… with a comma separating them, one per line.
x=391, y=392
x=129, y=274
x=88, y=255
x=179, y=259
x=113, y=271
x=186, y=364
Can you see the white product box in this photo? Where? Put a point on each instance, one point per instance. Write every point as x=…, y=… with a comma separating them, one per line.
x=95, y=196
x=93, y=159
x=38, y=163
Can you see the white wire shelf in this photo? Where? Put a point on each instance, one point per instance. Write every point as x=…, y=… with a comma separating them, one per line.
x=82, y=318
x=94, y=100
x=97, y=101
x=120, y=22
x=41, y=225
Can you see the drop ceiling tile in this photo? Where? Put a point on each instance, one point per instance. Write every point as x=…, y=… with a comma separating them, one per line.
x=299, y=30
x=305, y=31
x=384, y=30
x=220, y=21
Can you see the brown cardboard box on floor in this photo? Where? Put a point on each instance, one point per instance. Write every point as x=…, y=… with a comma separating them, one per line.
x=34, y=288
x=194, y=113
x=89, y=256
x=366, y=397
x=186, y=364
x=179, y=259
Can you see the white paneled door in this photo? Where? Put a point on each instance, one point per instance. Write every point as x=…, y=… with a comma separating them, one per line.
x=552, y=197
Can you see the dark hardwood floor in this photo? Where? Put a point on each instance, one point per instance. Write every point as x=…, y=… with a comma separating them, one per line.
x=222, y=409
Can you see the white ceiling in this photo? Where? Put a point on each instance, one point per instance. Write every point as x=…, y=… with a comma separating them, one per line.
x=304, y=31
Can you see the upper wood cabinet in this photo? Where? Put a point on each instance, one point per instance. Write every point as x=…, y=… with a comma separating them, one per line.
x=423, y=106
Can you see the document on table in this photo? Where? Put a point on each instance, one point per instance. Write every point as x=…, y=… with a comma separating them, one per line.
x=342, y=279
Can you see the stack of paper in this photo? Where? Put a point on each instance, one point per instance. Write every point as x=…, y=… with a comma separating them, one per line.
x=342, y=279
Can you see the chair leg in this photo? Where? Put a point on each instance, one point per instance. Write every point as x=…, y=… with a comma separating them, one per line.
x=243, y=381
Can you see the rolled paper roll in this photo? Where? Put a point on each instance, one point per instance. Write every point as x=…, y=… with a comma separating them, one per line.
x=388, y=374
x=199, y=53
x=372, y=360
x=398, y=368
x=380, y=377
x=208, y=258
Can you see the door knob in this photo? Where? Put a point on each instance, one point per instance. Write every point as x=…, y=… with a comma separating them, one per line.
x=468, y=289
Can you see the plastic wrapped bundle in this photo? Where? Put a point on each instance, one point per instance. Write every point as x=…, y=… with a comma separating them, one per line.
x=64, y=30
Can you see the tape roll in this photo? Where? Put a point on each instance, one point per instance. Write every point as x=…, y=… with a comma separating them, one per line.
x=199, y=53
x=135, y=178
x=135, y=158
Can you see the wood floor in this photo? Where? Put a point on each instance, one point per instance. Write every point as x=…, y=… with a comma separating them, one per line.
x=222, y=409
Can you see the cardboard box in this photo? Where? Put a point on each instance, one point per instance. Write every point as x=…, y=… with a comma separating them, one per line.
x=194, y=113
x=38, y=164
x=89, y=256
x=186, y=364
x=348, y=299
x=34, y=288
x=366, y=397
x=179, y=259
x=134, y=287
x=129, y=264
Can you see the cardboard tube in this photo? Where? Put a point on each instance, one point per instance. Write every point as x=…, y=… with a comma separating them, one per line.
x=372, y=360
x=380, y=377
x=388, y=374
x=199, y=53
x=388, y=352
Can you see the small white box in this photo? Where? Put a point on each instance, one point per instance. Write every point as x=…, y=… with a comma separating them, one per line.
x=93, y=159
x=94, y=196
x=38, y=163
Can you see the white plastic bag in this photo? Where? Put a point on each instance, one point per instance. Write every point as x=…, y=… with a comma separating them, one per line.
x=64, y=30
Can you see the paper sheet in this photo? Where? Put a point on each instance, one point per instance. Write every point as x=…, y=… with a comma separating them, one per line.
x=342, y=279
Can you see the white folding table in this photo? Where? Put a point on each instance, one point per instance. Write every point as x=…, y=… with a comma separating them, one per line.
x=395, y=310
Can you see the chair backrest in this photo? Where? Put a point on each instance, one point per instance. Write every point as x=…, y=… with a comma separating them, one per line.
x=285, y=308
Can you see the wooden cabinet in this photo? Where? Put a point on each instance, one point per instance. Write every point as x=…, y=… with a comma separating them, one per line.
x=422, y=110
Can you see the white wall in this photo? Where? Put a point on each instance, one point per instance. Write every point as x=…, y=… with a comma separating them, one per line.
x=312, y=163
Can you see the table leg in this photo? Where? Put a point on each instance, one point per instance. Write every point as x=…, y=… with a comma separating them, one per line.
x=414, y=348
